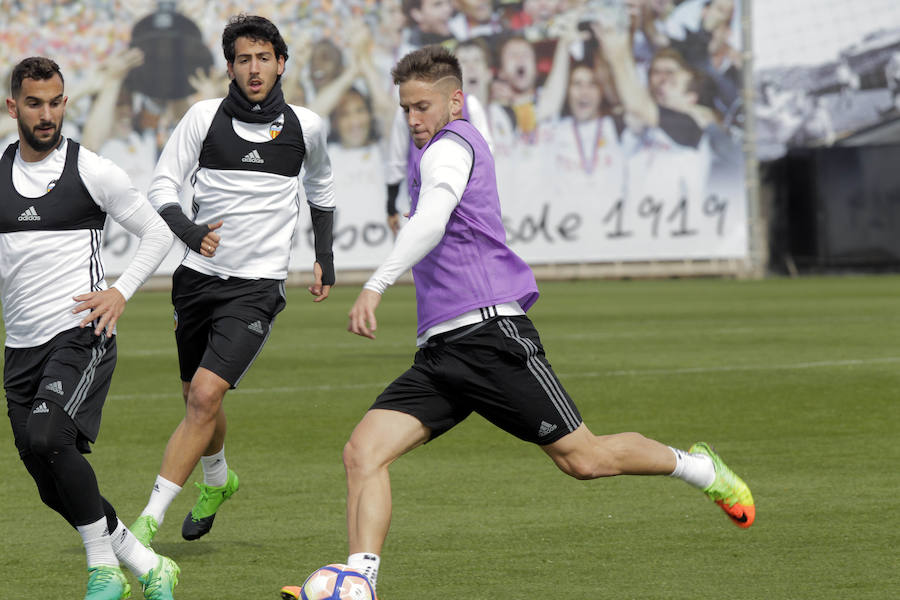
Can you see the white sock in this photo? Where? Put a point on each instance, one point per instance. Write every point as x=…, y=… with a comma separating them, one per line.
x=696, y=469
x=367, y=564
x=215, y=469
x=164, y=491
x=98, y=544
x=134, y=555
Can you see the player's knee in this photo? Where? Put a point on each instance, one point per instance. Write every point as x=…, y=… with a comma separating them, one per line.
x=43, y=442
x=580, y=467
x=604, y=456
x=203, y=403
x=352, y=457
x=357, y=460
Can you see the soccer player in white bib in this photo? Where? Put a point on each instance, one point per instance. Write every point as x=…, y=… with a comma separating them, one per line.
x=477, y=349
x=246, y=155
x=60, y=318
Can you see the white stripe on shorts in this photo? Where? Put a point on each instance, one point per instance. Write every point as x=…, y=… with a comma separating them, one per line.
x=542, y=374
x=87, y=378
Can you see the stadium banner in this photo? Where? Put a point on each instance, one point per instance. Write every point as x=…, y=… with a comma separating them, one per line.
x=617, y=125
x=826, y=72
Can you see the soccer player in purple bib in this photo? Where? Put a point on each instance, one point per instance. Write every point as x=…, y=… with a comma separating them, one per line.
x=477, y=349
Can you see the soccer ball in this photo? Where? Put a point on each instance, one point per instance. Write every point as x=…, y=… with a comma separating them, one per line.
x=336, y=582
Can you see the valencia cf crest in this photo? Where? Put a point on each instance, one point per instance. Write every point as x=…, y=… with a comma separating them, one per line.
x=275, y=128
x=51, y=185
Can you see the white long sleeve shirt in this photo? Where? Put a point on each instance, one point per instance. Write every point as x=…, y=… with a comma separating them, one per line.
x=42, y=270
x=259, y=210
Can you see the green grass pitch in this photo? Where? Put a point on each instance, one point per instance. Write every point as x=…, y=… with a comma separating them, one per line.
x=796, y=382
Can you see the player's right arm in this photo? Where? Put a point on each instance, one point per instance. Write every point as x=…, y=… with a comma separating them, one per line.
x=445, y=168
x=178, y=160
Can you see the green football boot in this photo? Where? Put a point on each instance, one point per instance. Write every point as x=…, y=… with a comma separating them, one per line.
x=107, y=583
x=728, y=490
x=199, y=521
x=159, y=582
x=144, y=528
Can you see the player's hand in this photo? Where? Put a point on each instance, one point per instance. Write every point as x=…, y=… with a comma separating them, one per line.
x=106, y=305
x=210, y=241
x=362, y=315
x=317, y=289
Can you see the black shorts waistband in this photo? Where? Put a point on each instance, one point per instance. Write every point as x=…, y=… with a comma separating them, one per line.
x=459, y=333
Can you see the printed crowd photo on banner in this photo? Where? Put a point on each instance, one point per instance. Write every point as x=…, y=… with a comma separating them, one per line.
x=617, y=125
x=825, y=71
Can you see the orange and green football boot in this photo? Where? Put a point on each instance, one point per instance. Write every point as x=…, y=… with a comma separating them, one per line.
x=728, y=490
x=290, y=592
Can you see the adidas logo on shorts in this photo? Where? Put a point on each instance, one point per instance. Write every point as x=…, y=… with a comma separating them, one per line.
x=40, y=408
x=256, y=327
x=56, y=387
x=546, y=429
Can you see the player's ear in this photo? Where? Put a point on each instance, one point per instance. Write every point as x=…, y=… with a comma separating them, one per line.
x=11, y=108
x=456, y=103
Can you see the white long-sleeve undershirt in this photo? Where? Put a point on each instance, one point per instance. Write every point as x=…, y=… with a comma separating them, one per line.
x=444, y=168
x=155, y=240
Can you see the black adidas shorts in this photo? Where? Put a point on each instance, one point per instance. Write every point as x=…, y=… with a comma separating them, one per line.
x=222, y=324
x=496, y=369
x=73, y=370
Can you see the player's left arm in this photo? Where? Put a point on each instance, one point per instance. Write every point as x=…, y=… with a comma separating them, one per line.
x=395, y=166
x=479, y=119
x=111, y=188
x=318, y=183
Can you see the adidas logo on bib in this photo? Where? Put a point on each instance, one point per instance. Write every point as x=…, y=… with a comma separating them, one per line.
x=30, y=215
x=253, y=157
x=56, y=387
x=256, y=327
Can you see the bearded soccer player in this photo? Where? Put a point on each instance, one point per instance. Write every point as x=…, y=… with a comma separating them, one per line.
x=60, y=318
x=477, y=349
x=243, y=154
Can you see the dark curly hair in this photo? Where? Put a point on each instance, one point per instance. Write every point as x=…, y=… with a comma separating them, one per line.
x=254, y=28
x=35, y=67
